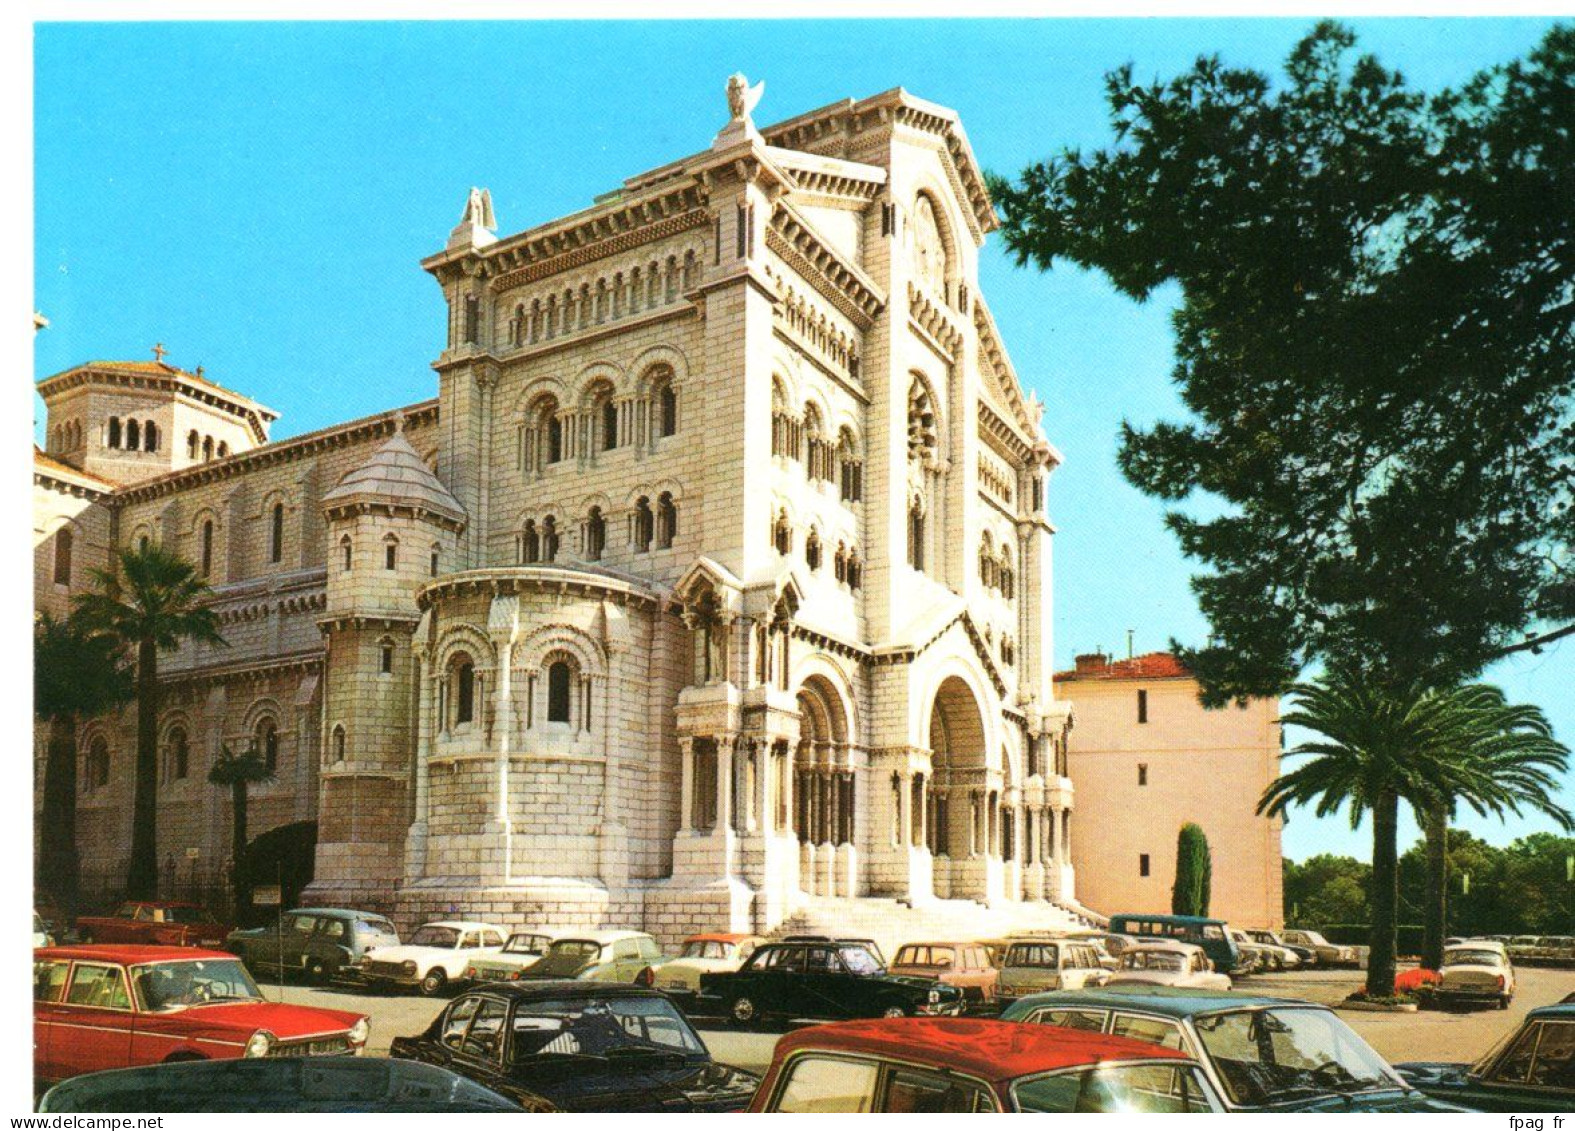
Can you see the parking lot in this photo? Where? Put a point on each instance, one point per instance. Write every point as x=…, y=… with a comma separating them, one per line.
x=1424, y=1035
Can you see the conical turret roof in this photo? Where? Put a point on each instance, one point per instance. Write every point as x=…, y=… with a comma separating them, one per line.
x=395, y=474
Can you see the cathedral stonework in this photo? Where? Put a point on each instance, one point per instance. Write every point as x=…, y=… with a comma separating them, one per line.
x=712, y=591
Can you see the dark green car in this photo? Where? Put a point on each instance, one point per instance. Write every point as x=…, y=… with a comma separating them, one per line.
x=318, y=943
x=821, y=981
x=1260, y=1053
x=1531, y=1069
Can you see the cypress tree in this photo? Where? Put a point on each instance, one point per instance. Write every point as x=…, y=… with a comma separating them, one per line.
x=1190, y=895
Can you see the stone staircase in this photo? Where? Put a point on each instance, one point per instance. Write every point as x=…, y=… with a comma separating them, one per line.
x=892, y=922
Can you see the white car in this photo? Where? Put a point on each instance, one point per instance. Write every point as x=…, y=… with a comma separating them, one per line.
x=523, y=950
x=1168, y=964
x=1325, y=952
x=1282, y=957
x=432, y=958
x=1476, y=971
x=703, y=954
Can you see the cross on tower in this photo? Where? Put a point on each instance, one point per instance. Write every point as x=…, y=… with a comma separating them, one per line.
x=159, y=351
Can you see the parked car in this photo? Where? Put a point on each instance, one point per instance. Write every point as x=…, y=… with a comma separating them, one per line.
x=521, y=952
x=319, y=943
x=599, y=956
x=1168, y=964
x=962, y=1064
x=1556, y=950
x=1213, y=935
x=996, y=949
x=1523, y=949
x=1325, y=953
x=1260, y=1053
x=1110, y=946
x=1531, y=1068
x=1476, y=971
x=868, y=944
x=41, y=935
x=821, y=980
x=331, y=1084
x=167, y=922
x=1290, y=957
x=580, y=1046
x=964, y=965
x=437, y=955
x=703, y=954
x=1035, y=963
x=1255, y=957
x=100, y=1007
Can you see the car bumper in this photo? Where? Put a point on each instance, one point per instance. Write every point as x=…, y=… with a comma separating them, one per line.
x=941, y=1008
x=382, y=981
x=1470, y=993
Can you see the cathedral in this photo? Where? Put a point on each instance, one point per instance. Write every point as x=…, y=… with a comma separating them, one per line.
x=713, y=584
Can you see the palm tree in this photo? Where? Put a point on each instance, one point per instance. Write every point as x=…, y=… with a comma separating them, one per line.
x=1506, y=758
x=1379, y=746
x=238, y=772
x=77, y=673
x=153, y=601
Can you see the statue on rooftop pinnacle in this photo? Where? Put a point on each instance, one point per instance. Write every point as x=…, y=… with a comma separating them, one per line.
x=477, y=224
x=743, y=98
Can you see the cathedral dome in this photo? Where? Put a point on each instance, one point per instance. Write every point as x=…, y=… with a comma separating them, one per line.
x=395, y=475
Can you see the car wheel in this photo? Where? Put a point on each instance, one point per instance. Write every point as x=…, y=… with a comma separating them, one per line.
x=433, y=983
x=743, y=1012
x=316, y=971
x=894, y=1011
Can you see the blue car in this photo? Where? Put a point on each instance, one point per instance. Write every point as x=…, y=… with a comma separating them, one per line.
x=1260, y=1053
x=1530, y=1069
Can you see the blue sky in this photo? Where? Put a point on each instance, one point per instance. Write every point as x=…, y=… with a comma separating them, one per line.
x=257, y=196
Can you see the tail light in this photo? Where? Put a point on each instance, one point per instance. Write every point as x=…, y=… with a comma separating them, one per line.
x=646, y=977
x=516, y=975
x=470, y=972
x=1500, y=980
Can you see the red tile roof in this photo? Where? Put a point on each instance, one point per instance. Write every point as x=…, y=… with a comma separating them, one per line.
x=50, y=463
x=1150, y=665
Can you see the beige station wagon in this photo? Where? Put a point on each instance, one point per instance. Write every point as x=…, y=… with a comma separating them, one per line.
x=1035, y=964
x=965, y=965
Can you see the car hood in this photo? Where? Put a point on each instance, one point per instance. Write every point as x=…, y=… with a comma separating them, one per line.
x=1376, y=1101
x=623, y=1086
x=287, y=1022
x=1150, y=978
x=404, y=953
x=912, y=982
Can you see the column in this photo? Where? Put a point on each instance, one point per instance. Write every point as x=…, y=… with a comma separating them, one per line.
x=765, y=769
x=686, y=789
x=724, y=780
x=834, y=808
x=423, y=734
x=505, y=724
x=973, y=823
x=904, y=812
x=786, y=799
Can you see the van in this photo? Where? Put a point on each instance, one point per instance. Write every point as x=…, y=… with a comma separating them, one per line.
x=1035, y=964
x=1213, y=935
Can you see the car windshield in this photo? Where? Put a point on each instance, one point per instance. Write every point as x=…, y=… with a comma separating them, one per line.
x=178, y=985
x=860, y=961
x=1273, y=1056
x=1153, y=960
x=1464, y=957
x=430, y=935
x=187, y=915
x=611, y=1027
x=524, y=944
x=374, y=927
x=1033, y=954
x=1313, y=938
x=1140, y=1088
x=705, y=948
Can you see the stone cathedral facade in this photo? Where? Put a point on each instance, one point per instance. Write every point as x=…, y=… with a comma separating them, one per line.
x=713, y=583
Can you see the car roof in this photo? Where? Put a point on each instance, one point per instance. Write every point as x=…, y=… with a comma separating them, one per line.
x=1476, y=944
x=1562, y=1011
x=992, y=1050
x=718, y=936
x=346, y=911
x=936, y=942
x=1172, y=1000
x=1164, y=944
x=129, y=955
x=600, y=936
x=549, y=988
x=464, y=925
x=1147, y=918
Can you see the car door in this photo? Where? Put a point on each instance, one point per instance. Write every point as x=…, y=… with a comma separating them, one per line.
x=295, y=939
x=479, y=1053
x=1535, y=1073
x=450, y=1032
x=915, y=1091
x=827, y=989
x=328, y=944
x=625, y=962
x=93, y=1032
x=49, y=993
x=777, y=988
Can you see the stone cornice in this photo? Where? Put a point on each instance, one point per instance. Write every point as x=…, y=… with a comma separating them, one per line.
x=164, y=379
x=67, y=483
x=385, y=620
x=935, y=320
x=511, y=580
x=244, y=669
x=349, y=508
x=299, y=447
x=994, y=350
x=614, y=243
x=820, y=265
x=907, y=653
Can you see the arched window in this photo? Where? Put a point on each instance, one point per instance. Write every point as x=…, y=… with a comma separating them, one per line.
x=782, y=534
x=916, y=535
x=207, y=448
x=464, y=690
x=666, y=520
x=609, y=418
x=786, y=428
x=855, y=570
x=224, y=449
x=666, y=410
x=150, y=437
x=549, y=539
x=63, y=541
x=276, y=534
x=267, y=738
x=530, y=543
x=142, y=544
x=192, y=442
x=644, y=524
x=819, y=455
x=97, y=769
x=385, y=656
x=114, y=432
x=344, y=550
x=923, y=440
x=207, y=547
x=595, y=534
x=839, y=563
x=339, y=743
x=554, y=439
x=812, y=549
x=178, y=757
x=1005, y=575
x=133, y=435
x=929, y=250
x=390, y=552
x=852, y=468
x=559, y=676
x=986, y=563
x=437, y=555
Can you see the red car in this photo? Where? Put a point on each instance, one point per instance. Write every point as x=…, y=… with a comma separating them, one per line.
x=166, y=922
x=98, y=1007
x=961, y=1064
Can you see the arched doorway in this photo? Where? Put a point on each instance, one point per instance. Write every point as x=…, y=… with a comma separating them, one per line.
x=961, y=822
x=282, y=856
x=824, y=791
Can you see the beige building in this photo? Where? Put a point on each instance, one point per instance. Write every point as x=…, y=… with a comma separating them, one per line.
x=1147, y=758
x=711, y=589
